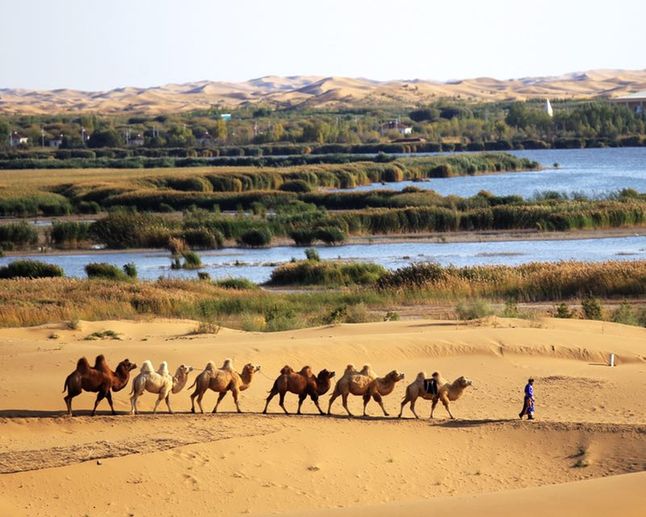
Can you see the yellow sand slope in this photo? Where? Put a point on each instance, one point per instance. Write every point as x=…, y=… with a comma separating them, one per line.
x=591, y=423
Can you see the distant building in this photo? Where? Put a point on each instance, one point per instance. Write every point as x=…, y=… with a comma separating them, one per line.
x=55, y=142
x=634, y=101
x=225, y=116
x=395, y=125
x=16, y=139
x=205, y=140
x=136, y=141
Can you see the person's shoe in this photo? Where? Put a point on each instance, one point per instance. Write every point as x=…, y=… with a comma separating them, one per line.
x=520, y=415
x=530, y=417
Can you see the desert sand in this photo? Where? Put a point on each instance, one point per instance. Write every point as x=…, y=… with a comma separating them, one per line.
x=319, y=92
x=584, y=455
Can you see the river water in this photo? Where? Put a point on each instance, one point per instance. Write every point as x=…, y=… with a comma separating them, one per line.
x=593, y=172
x=257, y=264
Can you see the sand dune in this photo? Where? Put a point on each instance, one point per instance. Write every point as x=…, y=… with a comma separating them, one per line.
x=314, y=91
x=591, y=424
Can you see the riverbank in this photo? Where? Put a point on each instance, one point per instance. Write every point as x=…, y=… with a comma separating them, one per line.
x=435, y=237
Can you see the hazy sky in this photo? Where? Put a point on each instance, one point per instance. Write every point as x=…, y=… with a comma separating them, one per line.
x=97, y=45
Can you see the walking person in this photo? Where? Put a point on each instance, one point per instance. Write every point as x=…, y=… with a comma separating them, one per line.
x=528, y=402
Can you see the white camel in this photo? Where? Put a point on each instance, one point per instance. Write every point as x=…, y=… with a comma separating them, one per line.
x=160, y=382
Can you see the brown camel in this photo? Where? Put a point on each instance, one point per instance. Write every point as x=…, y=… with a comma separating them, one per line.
x=446, y=392
x=99, y=379
x=221, y=380
x=365, y=384
x=301, y=383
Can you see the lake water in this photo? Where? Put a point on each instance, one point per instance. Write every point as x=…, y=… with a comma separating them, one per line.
x=257, y=264
x=594, y=172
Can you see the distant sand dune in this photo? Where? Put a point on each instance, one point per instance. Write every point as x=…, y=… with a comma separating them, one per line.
x=313, y=91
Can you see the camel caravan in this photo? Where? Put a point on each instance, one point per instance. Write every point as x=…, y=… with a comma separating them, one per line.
x=365, y=383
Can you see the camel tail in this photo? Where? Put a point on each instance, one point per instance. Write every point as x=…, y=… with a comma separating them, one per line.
x=194, y=383
x=65, y=385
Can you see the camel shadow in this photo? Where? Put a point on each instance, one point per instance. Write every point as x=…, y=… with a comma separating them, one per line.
x=458, y=423
x=37, y=413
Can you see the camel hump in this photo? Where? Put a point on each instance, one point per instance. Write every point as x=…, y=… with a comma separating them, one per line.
x=163, y=368
x=420, y=376
x=100, y=363
x=210, y=366
x=368, y=371
x=286, y=370
x=306, y=371
x=147, y=366
x=82, y=365
x=227, y=365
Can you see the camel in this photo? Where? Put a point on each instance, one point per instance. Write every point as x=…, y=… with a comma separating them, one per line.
x=366, y=384
x=160, y=382
x=446, y=392
x=99, y=379
x=221, y=380
x=301, y=383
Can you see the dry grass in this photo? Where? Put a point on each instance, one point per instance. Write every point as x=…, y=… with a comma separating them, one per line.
x=32, y=302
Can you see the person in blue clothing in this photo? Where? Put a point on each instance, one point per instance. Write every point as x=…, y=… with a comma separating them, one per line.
x=528, y=403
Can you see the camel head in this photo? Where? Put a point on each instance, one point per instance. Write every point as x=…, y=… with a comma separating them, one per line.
x=183, y=371
x=126, y=366
x=462, y=382
x=393, y=376
x=250, y=369
x=325, y=375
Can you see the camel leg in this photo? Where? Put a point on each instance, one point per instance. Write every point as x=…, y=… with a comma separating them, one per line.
x=157, y=402
x=315, y=399
x=445, y=403
x=234, y=392
x=68, y=399
x=366, y=399
x=272, y=394
x=193, y=395
x=220, y=397
x=108, y=396
x=281, y=402
x=334, y=396
x=133, y=403
x=401, y=409
x=344, y=398
x=435, y=401
x=199, y=401
x=301, y=399
x=412, y=407
x=380, y=401
x=167, y=400
x=99, y=397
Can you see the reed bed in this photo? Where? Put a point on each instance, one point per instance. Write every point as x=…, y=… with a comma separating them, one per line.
x=31, y=302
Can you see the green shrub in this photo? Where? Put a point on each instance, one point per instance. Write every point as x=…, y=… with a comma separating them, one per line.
x=563, y=311
x=255, y=238
x=203, y=238
x=15, y=235
x=625, y=314
x=473, y=309
x=235, y=283
x=330, y=235
x=591, y=308
x=328, y=273
x=312, y=254
x=30, y=269
x=303, y=237
x=191, y=260
x=63, y=234
x=106, y=271
x=296, y=186
x=130, y=269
